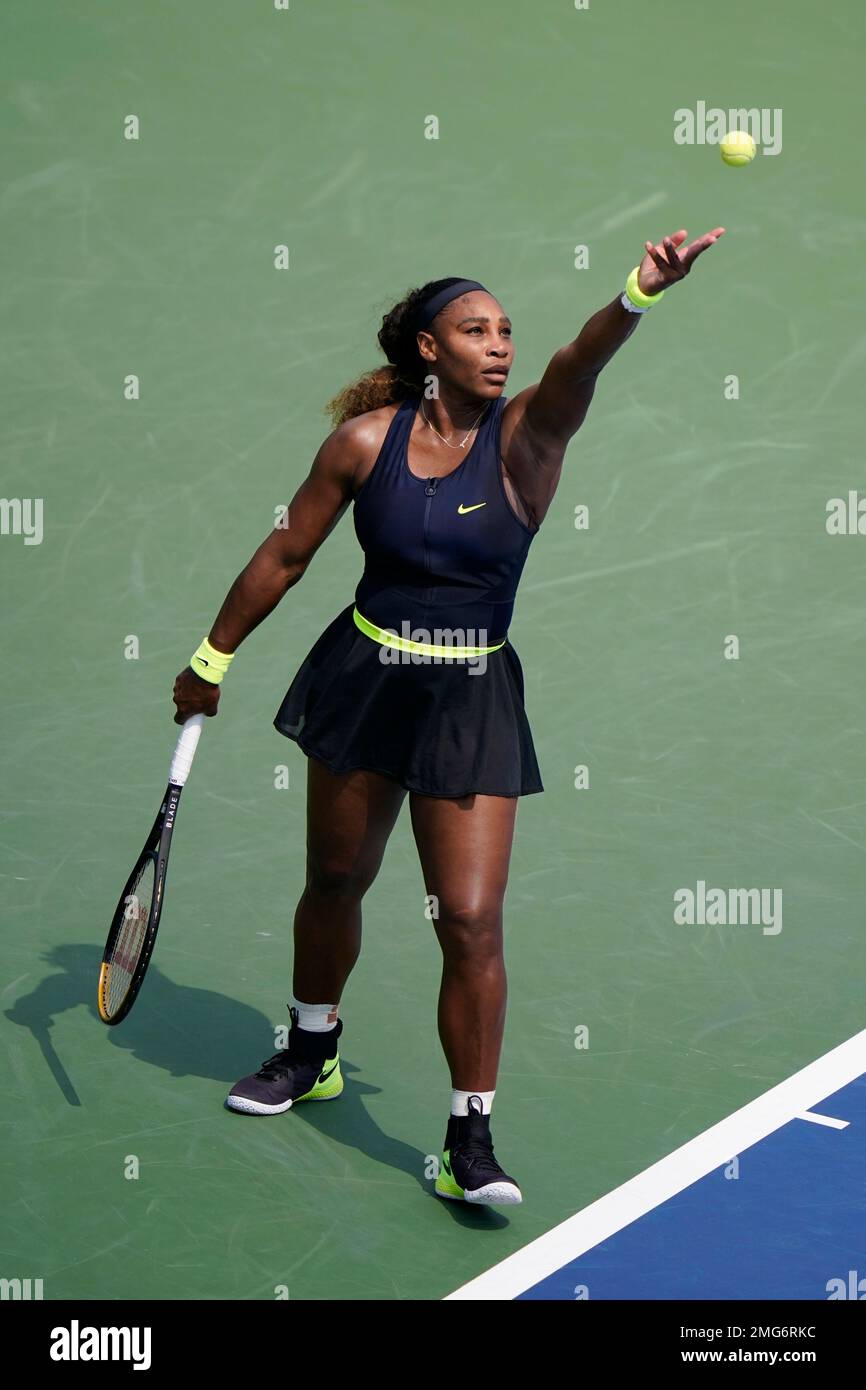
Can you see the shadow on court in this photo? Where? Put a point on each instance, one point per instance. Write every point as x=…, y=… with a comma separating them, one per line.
x=184, y=1031
x=198, y=1033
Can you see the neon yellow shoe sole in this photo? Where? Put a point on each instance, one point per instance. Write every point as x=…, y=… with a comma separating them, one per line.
x=505, y=1193
x=446, y=1186
x=329, y=1084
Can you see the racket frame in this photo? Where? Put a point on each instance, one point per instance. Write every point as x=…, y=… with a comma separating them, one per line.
x=156, y=848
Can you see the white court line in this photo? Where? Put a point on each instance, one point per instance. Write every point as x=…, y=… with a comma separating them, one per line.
x=823, y=1120
x=636, y=210
x=663, y=1180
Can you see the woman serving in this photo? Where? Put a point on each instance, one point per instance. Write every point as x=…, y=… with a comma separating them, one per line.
x=414, y=687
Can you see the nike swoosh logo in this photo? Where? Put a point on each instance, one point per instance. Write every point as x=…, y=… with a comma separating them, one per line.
x=446, y=1167
x=326, y=1074
x=463, y=510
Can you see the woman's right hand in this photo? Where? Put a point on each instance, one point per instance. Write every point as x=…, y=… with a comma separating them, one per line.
x=192, y=696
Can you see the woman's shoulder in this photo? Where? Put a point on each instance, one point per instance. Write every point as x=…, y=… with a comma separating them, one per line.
x=365, y=433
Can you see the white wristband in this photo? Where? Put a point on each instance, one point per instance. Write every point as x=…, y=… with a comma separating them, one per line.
x=627, y=304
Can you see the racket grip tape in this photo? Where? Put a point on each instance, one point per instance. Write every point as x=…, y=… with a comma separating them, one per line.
x=185, y=750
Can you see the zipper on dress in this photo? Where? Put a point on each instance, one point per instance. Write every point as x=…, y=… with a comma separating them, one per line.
x=429, y=491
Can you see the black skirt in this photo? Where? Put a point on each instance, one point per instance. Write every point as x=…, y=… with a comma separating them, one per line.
x=433, y=726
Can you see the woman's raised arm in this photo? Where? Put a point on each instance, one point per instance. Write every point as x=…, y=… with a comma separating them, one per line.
x=539, y=422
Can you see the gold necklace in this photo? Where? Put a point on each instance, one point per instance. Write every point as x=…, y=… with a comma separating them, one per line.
x=462, y=444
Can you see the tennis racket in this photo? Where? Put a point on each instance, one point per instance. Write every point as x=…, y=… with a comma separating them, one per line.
x=136, y=918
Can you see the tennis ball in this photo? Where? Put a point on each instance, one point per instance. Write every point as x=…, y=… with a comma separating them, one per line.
x=738, y=148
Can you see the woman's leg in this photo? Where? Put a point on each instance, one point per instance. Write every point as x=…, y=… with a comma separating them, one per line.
x=464, y=846
x=350, y=816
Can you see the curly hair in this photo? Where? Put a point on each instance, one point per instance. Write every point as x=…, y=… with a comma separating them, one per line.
x=406, y=369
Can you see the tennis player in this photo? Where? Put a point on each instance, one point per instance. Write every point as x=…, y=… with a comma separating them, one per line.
x=414, y=687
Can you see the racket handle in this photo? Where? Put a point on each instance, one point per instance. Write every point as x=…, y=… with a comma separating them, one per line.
x=185, y=749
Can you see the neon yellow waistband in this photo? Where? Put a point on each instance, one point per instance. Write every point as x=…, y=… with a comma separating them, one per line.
x=390, y=639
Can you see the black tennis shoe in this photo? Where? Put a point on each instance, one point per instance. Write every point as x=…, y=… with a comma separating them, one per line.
x=308, y=1069
x=469, y=1171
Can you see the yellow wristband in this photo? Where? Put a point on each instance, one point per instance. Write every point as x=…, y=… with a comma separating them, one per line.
x=210, y=664
x=636, y=294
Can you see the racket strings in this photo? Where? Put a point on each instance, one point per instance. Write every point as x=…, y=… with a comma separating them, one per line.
x=131, y=937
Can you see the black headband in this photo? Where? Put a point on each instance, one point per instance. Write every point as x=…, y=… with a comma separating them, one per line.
x=431, y=307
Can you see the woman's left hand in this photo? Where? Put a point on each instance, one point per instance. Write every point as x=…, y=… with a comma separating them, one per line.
x=657, y=271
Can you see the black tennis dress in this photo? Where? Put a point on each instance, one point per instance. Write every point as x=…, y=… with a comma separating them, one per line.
x=441, y=555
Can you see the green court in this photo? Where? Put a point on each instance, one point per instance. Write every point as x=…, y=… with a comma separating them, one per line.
x=733, y=765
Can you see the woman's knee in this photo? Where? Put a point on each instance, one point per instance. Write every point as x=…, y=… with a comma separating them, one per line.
x=470, y=930
x=335, y=878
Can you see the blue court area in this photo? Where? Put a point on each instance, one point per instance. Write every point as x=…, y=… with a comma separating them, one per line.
x=793, y=1220
x=768, y=1204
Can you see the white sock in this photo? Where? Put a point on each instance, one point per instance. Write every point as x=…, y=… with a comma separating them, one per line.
x=316, y=1018
x=460, y=1101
